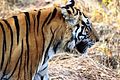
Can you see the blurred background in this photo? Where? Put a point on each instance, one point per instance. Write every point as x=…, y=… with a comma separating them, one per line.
x=103, y=60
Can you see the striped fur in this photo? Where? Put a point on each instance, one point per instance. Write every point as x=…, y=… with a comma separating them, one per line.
x=26, y=39
x=30, y=39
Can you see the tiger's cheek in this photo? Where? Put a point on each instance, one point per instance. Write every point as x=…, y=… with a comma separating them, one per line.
x=67, y=36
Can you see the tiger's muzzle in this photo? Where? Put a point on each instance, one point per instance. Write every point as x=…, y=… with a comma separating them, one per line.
x=83, y=46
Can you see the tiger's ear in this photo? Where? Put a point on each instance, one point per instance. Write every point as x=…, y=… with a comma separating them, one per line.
x=67, y=8
x=69, y=3
x=70, y=13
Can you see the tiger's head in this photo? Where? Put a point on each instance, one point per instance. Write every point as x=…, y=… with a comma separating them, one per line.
x=83, y=34
x=86, y=36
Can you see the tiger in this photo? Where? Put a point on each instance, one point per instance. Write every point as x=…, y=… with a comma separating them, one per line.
x=30, y=39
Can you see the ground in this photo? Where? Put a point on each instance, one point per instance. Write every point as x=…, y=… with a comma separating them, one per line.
x=102, y=61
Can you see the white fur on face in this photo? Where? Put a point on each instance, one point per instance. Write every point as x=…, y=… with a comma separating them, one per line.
x=69, y=2
x=76, y=33
x=87, y=21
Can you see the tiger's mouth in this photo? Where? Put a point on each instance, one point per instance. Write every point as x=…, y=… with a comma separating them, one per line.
x=83, y=46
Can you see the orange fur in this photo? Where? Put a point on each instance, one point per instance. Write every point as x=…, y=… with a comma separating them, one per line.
x=39, y=37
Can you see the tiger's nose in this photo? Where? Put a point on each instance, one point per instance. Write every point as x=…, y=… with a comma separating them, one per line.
x=97, y=39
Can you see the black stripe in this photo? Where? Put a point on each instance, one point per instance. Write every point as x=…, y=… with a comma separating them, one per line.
x=86, y=26
x=76, y=12
x=3, y=50
x=84, y=15
x=20, y=62
x=17, y=61
x=11, y=32
x=27, y=18
x=74, y=36
x=43, y=45
x=78, y=26
x=17, y=27
x=46, y=20
x=44, y=68
x=38, y=21
x=4, y=46
x=70, y=5
x=73, y=3
x=89, y=25
x=80, y=12
x=43, y=33
x=73, y=9
x=55, y=47
x=46, y=52
x=53, y=15
x=83, y=23
x=42, y=77
x=69, y=12
x=25, y=67
x=4, y=79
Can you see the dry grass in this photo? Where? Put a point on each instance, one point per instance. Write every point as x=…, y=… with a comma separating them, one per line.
x=65, y=66
x=102, y=57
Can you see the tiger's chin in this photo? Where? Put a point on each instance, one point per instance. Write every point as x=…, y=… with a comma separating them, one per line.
x=81, y=47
